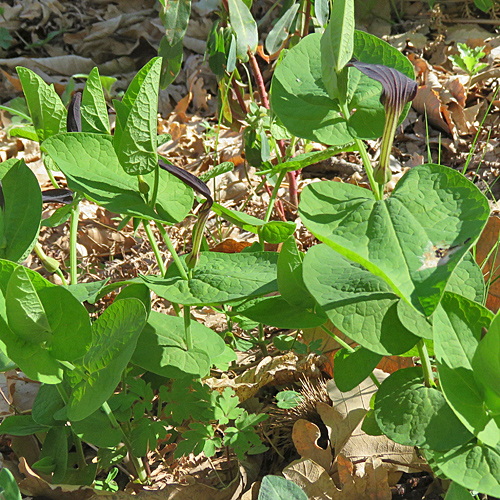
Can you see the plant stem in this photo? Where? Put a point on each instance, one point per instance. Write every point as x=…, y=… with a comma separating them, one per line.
x=307, y=18
x=172, y=251
x=376, y=188
x=52, y=178
x=262, y=340
x=426, y=364
x=76, y=440
x=73, y=234
x=274, y=194
x=155, y=187
x=187, y=327
x=61, y=275
x=154, y=245
x=139, y=466
x=258, y=79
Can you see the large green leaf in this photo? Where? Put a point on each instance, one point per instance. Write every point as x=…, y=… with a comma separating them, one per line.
x=351, y=368
x=414, y=245
x=94, y=110
x=281, y=29
x=358, y=303
x=136, y=145
x=412, y=414
x=473, y=466
x=92, y=167
x=96, y=429
x=162, y=348
x=300, y=99
x=20, y=220
x=486, y=365
x=245, y=28
x=219, y=278
x=115, y=336
x=458, y=324
x=46, y=108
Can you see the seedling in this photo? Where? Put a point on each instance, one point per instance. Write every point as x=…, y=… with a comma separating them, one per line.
x=469, y=60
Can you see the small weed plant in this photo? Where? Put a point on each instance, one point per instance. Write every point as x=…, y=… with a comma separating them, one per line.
x=393, y=272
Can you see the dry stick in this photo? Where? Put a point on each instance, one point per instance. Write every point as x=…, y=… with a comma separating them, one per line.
x=292, y=181
x=239, y=98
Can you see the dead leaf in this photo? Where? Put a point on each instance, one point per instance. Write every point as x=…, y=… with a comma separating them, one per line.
x=305, y=437
x=68, y=65
x=491, y=269
x=230, y=245
x=427, y=102
x=34, y=485
x=370, y=484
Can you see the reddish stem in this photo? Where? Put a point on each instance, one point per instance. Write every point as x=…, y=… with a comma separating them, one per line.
x=239, y=98
x=278, y=204
x=258, y=79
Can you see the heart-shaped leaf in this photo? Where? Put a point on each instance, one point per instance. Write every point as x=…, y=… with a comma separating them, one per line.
x=413, y=240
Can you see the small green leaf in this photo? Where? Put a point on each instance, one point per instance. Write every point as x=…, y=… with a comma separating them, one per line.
x=412, y=414
x=162, y=347
x=281, y=29
x=115, y=336
x=20, y=221
x=279, y=488
x=21, y=425
x=94, y=110
x=245, y=28
x=47, y=403
x=275, y=311
x=288, y=399
x=351, y=368
x=46, y=108
x=8, y=485
x=174, y=16
x=290, y=281
x=25, y=312
x=136, y=144
x=171, y=61
x=220, y=169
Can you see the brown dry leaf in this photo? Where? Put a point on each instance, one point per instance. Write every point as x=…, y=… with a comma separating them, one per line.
x=305, y=436
x=230, y=245
x=340, y=423
x=391, y=364
x=35, y=486
x=491, y=270
x=454, y=85
x=68, y=65
x=278, y=370
x=371, y=484
x=103, y=241
x=427, y=101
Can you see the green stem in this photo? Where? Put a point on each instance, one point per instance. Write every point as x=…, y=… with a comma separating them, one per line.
x=262, y=340
x=274, y=194
x=187, y=327
x=73, y=234
x=155, y=187
x=172, y=251
x=61, y=275
x=154, y=245
x=52, y=178
x=76, y=440
x=139, y=466
x=426, y=364
x=376, y=188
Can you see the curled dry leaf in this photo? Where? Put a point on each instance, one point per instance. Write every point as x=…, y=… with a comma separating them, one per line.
x=427, y=102
x=485, y=246
x=305, y=437
x=370, y=484
x=278, y=370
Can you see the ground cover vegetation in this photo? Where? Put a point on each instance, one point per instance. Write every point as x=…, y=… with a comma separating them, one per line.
x=128, y=389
